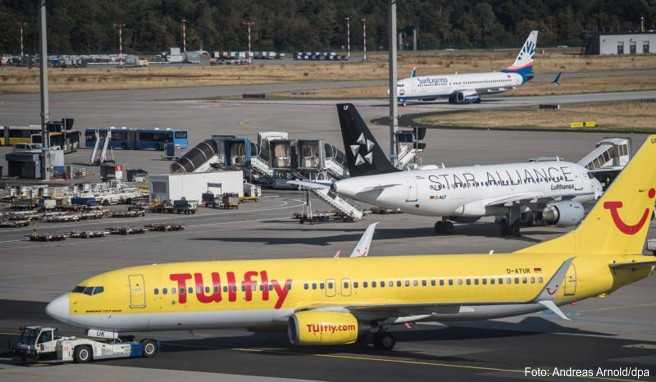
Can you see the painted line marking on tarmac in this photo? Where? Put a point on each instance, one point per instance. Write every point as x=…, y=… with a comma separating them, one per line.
x=442, y=364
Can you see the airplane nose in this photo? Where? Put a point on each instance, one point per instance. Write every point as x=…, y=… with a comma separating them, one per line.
x=58, y=308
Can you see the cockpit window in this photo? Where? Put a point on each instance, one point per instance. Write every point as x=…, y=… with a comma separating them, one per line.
x=590, y=175
x=88, y=290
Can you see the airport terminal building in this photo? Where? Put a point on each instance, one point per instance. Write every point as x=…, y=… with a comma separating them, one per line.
x=621, y=43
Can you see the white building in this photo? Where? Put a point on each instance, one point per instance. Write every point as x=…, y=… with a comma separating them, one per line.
x=627, y=43
x=192, y=186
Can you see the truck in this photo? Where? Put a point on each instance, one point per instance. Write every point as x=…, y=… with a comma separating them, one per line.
x=43, y=343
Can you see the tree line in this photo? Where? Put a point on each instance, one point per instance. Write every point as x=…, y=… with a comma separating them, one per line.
x=90, y=26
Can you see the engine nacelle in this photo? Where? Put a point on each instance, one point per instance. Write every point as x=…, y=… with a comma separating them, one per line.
x=465, y=96
x=323, y=328
x=567, y=213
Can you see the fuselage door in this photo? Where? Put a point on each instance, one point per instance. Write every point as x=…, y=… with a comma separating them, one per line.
x=346, y=287
x=137, y=291
x=411, y=196
x=330, y=288
x=570, y=281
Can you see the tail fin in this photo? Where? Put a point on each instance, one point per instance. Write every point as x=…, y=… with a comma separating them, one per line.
x=363, y=153
x=524, y=62
x=619, y=222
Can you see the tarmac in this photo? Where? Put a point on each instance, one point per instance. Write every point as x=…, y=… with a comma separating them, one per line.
x=608, y=333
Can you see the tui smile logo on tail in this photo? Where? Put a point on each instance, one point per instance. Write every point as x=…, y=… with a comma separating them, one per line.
x=363, y=150
x=628, y=229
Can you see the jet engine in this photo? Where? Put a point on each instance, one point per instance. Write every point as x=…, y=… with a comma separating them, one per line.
x=323, y=328
x=566, y=213
x=465, y=96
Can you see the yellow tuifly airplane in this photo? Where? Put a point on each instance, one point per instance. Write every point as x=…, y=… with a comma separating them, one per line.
x=342, y=300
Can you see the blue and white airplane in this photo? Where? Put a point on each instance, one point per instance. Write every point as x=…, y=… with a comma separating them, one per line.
x=468, y=88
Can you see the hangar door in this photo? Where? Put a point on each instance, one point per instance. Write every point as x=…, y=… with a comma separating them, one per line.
x=137, y=291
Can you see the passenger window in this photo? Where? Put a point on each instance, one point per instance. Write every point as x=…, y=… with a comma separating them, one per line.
x=459, y=281
x=191, y=290
x=398, y=283
x=321, y=286
x=330, y=285
x=424, y=283
x=407, y=283
x=475, y=281
x=524, y=280
x=225, y=289
x=207, y=289
x=468, y=282
x=345, y=284
x=516, y=280
x=441, y=282
x=450, y=282
x=382, y=284
x=365, y=284
x=355, y=284
x=174, y=290
x=532, y=280
x=314, y=285
x=484, y=281
x=156, y=291
x=216, y=289
x=433, y=282
x=373, y=284
x=415, y=283
x=305, y=286
x=508, y=280
x=165, y=291
x=492, y=281
x=540, y=280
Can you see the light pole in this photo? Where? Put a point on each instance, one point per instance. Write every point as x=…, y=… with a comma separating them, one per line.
x=348, y=36
x=45, y=113
x=120, y=42
x=364, y=39
x=184, y=35
x=22, y=46
x=250, y=25
x=393, y=107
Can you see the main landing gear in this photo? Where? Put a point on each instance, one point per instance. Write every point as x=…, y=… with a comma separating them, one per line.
x=511, y=223
x=384, y=341
x=444, y=227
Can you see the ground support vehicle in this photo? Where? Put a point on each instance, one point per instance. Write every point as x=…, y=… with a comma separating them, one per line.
x=41, y=343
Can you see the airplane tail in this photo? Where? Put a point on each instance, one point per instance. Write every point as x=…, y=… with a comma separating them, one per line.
x=524, y=62
x=619, y=222
x=363, y=153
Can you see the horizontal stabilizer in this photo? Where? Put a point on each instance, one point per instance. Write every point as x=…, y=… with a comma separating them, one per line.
x=632, y=264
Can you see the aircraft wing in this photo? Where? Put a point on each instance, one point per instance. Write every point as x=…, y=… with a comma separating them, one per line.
x=378, y=187
x=530, y=198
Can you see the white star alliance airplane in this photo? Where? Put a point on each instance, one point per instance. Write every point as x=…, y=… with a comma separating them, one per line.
x=338, y=301
x=542, y=192
x=468, y=88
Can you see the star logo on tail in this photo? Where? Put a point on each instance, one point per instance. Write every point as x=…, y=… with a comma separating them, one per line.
x=363, y=150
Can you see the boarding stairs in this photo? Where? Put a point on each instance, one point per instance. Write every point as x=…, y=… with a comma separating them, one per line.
x=407, y=155
x=341, y=205
x=335, y=169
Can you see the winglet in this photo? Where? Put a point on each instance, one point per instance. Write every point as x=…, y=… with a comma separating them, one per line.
x=554, y=308
x=556, y=282
x=556, y=81
x=413, y=72
x=362, y=248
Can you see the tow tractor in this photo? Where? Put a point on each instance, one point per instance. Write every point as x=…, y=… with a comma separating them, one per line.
x=43, y=343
